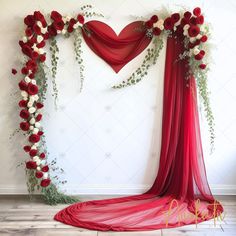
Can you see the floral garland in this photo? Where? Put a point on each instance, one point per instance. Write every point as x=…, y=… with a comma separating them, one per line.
x=196, y=33
x=34, y=84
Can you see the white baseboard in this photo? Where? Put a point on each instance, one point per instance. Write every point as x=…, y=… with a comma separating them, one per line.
x=110, y=190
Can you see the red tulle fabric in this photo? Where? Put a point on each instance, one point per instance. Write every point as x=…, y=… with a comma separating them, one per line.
x=180, y=194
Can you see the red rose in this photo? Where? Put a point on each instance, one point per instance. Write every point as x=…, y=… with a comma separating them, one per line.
x=187, y=15
x=202, y=66
x=40, y=17
x=13, y=71
x=175, y=17
x=32, y=89
x=38, y=117
x=197, y=11
x=31, y=65
x=168, y=24
x=36, y=29
x=200, y=20
x=80, y=18
x=42, y=155
x=56, y=16
x=45, y=168
x=40, y=133
x=34, y=138
x=24, y=114
x=22, y=103
x=184, y=22
x=203, y=38
x=28, y=32
x=193, y=31
x=52, y=31
x=39, y=174
x=39, y=105
x=42, y=57
x=41, y=44
x=70, y=29
x=46, y=36
x=58, y=25
x=149, y=24
x=24, y=71
x=45, y=182
x=31, y=76
x=29, y=20
x=27, y=148
x=31, y=165
x=154, y=18
x=26, y=50
x=24, y=126
x=23, y=85
x=34, y=55
x=156, y=31
x=193, y=21
x=71, y=24
x=33, y=152
x=198, y=57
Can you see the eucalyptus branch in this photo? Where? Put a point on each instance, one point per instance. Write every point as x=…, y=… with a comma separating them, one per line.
x=78, y=55
x=54, y=61
x=150, y=59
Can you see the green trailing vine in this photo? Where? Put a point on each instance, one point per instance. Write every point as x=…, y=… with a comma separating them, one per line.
x=150, y=59
x=78, y=57
x=88, y=11
x=54, y=62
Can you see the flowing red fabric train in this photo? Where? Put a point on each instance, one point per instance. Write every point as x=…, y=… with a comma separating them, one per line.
x=116, y=50
x=180, y=194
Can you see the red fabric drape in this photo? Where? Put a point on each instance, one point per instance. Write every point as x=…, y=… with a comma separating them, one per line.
x=116, y=50
x=181, y=180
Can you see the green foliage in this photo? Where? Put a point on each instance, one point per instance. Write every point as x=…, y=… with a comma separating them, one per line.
x=52, y=196
x=78, y=55
x=142, y=71
x=54, y=61
x=88, y=11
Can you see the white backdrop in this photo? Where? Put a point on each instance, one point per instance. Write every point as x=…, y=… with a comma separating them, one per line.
x=108, y=141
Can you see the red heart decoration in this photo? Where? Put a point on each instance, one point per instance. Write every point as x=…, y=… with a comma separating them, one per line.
x=116, y=50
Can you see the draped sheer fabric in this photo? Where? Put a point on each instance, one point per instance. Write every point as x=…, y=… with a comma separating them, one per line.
x=180, y=194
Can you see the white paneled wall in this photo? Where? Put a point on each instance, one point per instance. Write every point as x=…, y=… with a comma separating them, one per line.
x=108, y=141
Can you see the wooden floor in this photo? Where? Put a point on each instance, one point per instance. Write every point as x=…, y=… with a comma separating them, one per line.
x=18, y=216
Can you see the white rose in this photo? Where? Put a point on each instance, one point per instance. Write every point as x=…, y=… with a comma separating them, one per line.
x=36, y=97
x=35, y=158
x=75, y=26
x=185, y=33
x=43, y=30
x=30, y=104
x=41, y=51
x=27, y=79
x=63, y=31
x=24, y=39
x=37, y=124
x=192, y=39
x=32, y=110
x=45, y=175
x=32, y=121
x=68, y=18
x=33, y=81
x=186, y=27
x=24, y=94
x=39, y=38
x=34, y=147
x=39, y=24
x=196, y=50
x=38, y=168
x=175, y=28
x=199, y=36
x=31, y=127
x=38, y=162
x=161, y=27
x=35, y=130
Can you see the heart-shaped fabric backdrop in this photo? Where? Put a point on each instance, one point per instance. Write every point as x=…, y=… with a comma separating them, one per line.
x=116, y=50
